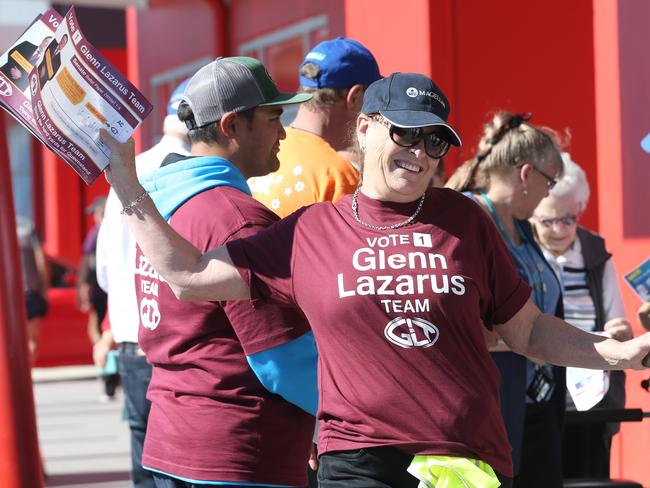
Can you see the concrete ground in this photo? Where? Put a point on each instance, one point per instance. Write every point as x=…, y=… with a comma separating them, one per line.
x=84, y=440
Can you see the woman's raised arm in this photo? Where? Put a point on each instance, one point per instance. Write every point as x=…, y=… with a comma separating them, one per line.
x=190, y=274
x=552, y=340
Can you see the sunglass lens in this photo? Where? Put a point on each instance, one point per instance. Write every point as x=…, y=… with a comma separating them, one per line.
x=406, y=137
x=435, y=147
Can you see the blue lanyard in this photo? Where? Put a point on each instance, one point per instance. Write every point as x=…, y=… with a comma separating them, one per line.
x=522, y=254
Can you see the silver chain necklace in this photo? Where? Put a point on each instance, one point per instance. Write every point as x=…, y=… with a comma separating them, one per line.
x=355, y=214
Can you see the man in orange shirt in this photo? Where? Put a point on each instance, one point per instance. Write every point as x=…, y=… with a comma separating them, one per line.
x=312, y=163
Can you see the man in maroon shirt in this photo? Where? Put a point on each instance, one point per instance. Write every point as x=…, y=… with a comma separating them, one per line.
x=213, y=420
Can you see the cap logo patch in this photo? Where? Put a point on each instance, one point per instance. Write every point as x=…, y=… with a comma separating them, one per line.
x=316, y=56
x=412, y=92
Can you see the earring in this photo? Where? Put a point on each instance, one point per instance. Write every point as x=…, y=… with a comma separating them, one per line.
x=362, y=146
x=525, y=191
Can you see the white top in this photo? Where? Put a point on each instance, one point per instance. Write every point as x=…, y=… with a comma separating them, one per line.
x=116, y=249
x=578, y=306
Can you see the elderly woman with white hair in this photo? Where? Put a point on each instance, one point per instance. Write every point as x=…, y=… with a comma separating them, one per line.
x=592, y=302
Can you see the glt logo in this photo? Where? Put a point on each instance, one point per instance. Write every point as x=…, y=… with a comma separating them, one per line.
x=407, y=332
x=149, y=313
x=422, y=240
x=412, y=92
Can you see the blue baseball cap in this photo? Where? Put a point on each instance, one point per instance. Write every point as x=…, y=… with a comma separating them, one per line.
x=342, y=63
x=176, y=97
x=409, y=100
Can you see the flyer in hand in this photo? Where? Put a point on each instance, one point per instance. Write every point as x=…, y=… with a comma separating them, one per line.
x=55, y=83
x=639, y=280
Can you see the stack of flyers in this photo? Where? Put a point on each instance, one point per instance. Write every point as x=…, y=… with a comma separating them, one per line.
x=58, y=85
x=639, y=280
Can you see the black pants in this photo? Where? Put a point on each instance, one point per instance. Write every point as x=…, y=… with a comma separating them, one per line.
x=111, y=382
x=586, y=449
x=36, y=305
x=541, y=458
x=312, y=478
x=376, y=467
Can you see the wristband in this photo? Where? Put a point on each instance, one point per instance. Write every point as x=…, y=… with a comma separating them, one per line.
x=128, y=209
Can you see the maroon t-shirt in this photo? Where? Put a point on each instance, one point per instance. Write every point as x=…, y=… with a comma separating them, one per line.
x=211, y=419
x=397, y=316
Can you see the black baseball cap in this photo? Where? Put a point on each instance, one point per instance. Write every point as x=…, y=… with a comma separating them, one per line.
x=409, y=100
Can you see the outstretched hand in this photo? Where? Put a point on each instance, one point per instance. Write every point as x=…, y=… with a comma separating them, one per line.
x=639, y=352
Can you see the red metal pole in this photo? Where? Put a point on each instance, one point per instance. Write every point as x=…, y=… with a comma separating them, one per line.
x=20, y=465
x=133, y=71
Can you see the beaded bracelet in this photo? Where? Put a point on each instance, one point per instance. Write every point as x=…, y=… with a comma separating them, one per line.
x=128, y=209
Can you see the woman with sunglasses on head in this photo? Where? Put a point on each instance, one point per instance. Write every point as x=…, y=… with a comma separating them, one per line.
x=398, y=282
x=515, y=166
x=592, y=301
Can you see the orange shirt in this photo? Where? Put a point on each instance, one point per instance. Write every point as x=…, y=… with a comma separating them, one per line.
x=310, y=171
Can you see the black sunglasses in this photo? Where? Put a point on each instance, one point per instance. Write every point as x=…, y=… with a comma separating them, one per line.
x=434, y=146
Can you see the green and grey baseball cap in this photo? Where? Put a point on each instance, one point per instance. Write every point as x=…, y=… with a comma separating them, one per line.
x=233, y=85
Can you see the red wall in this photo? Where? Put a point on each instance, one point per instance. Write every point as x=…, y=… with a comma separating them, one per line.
x=248, y=19
x=64, y=337
x=622, y=75
x=164, y=37
x=399, y=41
x=523, y=58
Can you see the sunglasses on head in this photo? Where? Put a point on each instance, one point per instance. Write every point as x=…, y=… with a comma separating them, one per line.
x=434, y=146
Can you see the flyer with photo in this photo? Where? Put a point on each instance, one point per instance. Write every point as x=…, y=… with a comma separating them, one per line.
x=639, y=280
x=17, y=63
x=63, y=90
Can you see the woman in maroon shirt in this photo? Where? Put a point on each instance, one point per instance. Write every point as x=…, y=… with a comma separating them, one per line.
x=398, y=282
